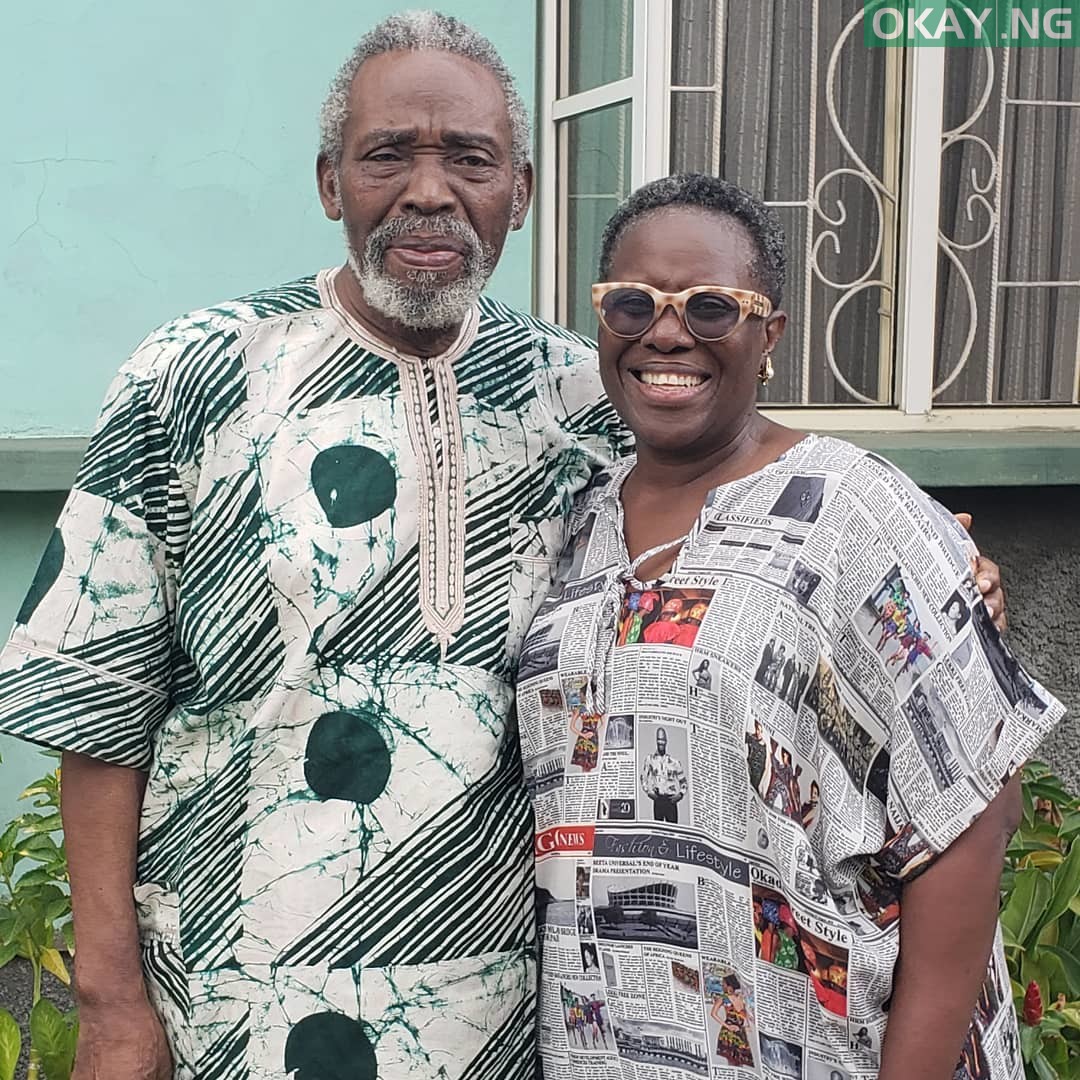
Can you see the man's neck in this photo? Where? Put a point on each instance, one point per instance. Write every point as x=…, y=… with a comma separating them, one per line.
x=400, y=338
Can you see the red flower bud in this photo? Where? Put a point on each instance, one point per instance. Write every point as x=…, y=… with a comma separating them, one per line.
x=1033, y=1004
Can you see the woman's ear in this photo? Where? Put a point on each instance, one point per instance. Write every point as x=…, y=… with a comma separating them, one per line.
x=775, y=325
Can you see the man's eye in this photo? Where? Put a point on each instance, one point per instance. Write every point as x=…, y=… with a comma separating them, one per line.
x=473, y=161
x=384, y=155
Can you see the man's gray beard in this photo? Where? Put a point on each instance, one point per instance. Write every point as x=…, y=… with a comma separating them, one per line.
x=424, y=302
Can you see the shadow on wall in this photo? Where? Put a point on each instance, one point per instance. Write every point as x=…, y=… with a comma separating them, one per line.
x=26, y=523
x=1033, y=533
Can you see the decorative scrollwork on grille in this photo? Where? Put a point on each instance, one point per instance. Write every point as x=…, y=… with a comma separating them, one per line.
x=978, y=202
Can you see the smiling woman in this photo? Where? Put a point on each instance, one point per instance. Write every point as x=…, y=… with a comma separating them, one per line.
x=684, y=345
x=781, y=563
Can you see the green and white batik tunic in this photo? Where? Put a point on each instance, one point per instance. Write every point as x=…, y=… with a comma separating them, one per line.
x=291, y=582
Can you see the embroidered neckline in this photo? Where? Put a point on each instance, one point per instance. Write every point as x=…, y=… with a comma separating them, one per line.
x=441, y=484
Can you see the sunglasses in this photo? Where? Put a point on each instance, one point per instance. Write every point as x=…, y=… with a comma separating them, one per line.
x=627, y=309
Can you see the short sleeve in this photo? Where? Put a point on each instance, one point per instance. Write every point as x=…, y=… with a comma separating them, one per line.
x=919, y=657
x=576, y=397
x=87, y=666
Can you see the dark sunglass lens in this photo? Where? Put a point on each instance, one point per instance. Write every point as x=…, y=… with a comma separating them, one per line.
x=627, y=311
x=711, y=315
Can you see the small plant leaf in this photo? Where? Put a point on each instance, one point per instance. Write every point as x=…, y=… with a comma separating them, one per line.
x=1066, y=885
x=10, y=1045
x=40, y=823
x=1028, y=804
x=53, y=963
x=44, y=786
x=1071, y=966
x=53, y=1038
x=1026, y=904
x=1071, y=1015
x=1030, y=1041
x=38, y=876
x=7, y=838
x=1043, y=1069
x=1057, y=1055
x=1044, y=859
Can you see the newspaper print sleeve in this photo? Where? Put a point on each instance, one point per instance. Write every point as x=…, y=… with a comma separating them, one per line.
x=916, y=645
x=95, y=626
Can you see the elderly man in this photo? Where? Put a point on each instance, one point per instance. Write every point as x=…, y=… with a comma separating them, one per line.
x=274, y=629
x=290, y=585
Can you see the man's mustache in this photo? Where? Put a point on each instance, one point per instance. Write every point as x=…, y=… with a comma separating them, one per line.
x=381, y=237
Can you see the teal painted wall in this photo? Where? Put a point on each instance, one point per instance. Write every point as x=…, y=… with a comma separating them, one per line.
x=160, y=157
x=26, y=520
x=155, y=159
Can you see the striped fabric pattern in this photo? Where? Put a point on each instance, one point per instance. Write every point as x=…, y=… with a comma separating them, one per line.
x=335, y=849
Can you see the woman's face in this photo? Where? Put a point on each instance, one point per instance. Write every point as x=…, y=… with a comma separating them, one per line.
x=673, y=249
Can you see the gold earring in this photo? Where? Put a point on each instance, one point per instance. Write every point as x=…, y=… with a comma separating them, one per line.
x=766, y=372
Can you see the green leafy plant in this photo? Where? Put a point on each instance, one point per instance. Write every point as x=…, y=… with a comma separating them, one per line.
x=1040, y=920
x=35, y=914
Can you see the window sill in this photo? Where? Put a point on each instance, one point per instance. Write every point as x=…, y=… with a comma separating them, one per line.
x=933, y=457
x=978, y=458
x=39, y=464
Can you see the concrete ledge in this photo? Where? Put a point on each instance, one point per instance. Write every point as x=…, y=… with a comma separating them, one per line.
x=932, y=458
x=978, y=458
x=39, y=464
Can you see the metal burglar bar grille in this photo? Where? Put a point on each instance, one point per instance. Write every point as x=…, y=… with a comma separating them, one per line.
x=1008, y=314
x=785, y=100
x=931, y=197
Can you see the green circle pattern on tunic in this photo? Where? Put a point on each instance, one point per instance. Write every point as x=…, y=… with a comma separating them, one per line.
x=353, y=484
x=347, y=758
x=330, y=1046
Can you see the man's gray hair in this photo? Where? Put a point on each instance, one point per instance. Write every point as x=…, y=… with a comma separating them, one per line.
x=413, y=31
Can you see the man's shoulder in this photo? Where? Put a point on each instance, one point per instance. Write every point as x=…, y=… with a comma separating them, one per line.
x=207, y=333
x=574, y=346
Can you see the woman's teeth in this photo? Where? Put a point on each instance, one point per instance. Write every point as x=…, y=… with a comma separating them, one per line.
x=669, y=378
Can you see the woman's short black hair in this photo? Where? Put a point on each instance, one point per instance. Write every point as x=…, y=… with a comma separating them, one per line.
x=713, y=195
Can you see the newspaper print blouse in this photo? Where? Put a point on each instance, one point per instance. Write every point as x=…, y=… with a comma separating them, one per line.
x=291, y=581
x=734, y=768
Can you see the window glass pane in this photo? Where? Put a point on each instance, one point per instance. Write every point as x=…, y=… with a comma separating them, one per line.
x=693, y=43
x=1008, y=299
x=824, y=153
x=597, y=43
x=595, y=159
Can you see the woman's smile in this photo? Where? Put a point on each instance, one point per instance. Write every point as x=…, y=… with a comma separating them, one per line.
x=668, y=384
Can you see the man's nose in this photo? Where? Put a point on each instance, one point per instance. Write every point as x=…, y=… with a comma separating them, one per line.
x=429, y=190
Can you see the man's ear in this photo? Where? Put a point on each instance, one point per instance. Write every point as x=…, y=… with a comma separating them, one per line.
x=326, y=177
x=523, y=193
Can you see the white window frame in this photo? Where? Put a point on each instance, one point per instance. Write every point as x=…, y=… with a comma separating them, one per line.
x=648, y=90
